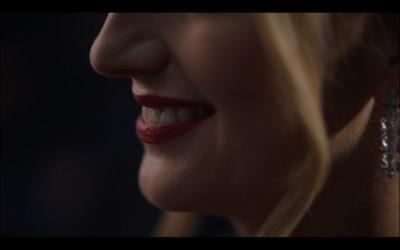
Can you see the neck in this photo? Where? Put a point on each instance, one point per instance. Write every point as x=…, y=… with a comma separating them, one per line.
x=358, y=199
x=357, y=209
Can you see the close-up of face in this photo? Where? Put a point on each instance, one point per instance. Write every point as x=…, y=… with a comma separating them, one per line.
x=245, y=114
x=217, y=125
x=205, y=124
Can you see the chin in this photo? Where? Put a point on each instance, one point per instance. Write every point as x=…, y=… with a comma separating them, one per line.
x=168, y=185
x=179, y=175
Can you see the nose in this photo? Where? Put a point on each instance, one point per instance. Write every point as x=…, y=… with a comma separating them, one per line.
x=124, y=46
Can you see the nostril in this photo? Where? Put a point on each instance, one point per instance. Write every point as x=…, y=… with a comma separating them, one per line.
x=118, y=58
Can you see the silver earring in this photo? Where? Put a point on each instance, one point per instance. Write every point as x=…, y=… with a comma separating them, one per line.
x=390, y=133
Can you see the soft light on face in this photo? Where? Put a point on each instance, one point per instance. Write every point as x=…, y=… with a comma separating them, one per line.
x=242, y=154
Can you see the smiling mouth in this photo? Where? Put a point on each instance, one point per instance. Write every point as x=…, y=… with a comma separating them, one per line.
x=165, y=118
x=168, y=115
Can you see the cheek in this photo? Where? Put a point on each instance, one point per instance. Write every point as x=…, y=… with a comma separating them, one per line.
x=228, y=66
x=243, y=154
x=256, y=127
x=220, y=63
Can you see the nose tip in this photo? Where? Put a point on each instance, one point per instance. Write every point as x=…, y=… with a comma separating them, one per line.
x=119, y=51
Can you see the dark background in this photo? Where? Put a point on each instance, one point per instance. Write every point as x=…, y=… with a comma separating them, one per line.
x=69, y=153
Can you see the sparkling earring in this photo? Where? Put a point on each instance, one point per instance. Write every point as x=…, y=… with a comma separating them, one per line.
x=390, y=133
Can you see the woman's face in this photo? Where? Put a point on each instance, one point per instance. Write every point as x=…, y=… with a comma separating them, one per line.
x=227, y=141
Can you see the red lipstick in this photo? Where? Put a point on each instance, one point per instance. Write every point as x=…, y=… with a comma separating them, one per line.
x=158, y=133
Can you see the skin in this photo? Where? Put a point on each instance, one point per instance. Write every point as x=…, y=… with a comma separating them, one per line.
x=240, y=162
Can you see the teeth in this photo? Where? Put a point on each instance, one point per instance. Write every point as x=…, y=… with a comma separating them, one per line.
x=145, y=112
x=172, y=115
x=153, y=115
x=185, y=114
x=168, y=116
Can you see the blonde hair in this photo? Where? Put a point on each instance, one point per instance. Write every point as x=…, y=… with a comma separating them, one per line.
x=302, y=47
x=296, y=44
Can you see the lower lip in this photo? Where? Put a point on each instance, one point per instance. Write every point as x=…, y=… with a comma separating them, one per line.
x=154, y=134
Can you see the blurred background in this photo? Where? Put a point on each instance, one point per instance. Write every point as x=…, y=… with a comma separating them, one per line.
x=69, y=153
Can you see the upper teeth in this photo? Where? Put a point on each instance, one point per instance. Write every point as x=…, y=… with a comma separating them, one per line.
x=173, y=115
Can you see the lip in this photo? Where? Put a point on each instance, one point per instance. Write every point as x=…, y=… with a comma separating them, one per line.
x=159, y=133
x=154, y=101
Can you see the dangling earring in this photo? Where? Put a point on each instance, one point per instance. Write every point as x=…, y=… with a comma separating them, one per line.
x=390, y=133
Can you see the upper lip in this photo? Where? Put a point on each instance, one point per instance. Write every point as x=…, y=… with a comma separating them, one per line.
x=155, y=101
